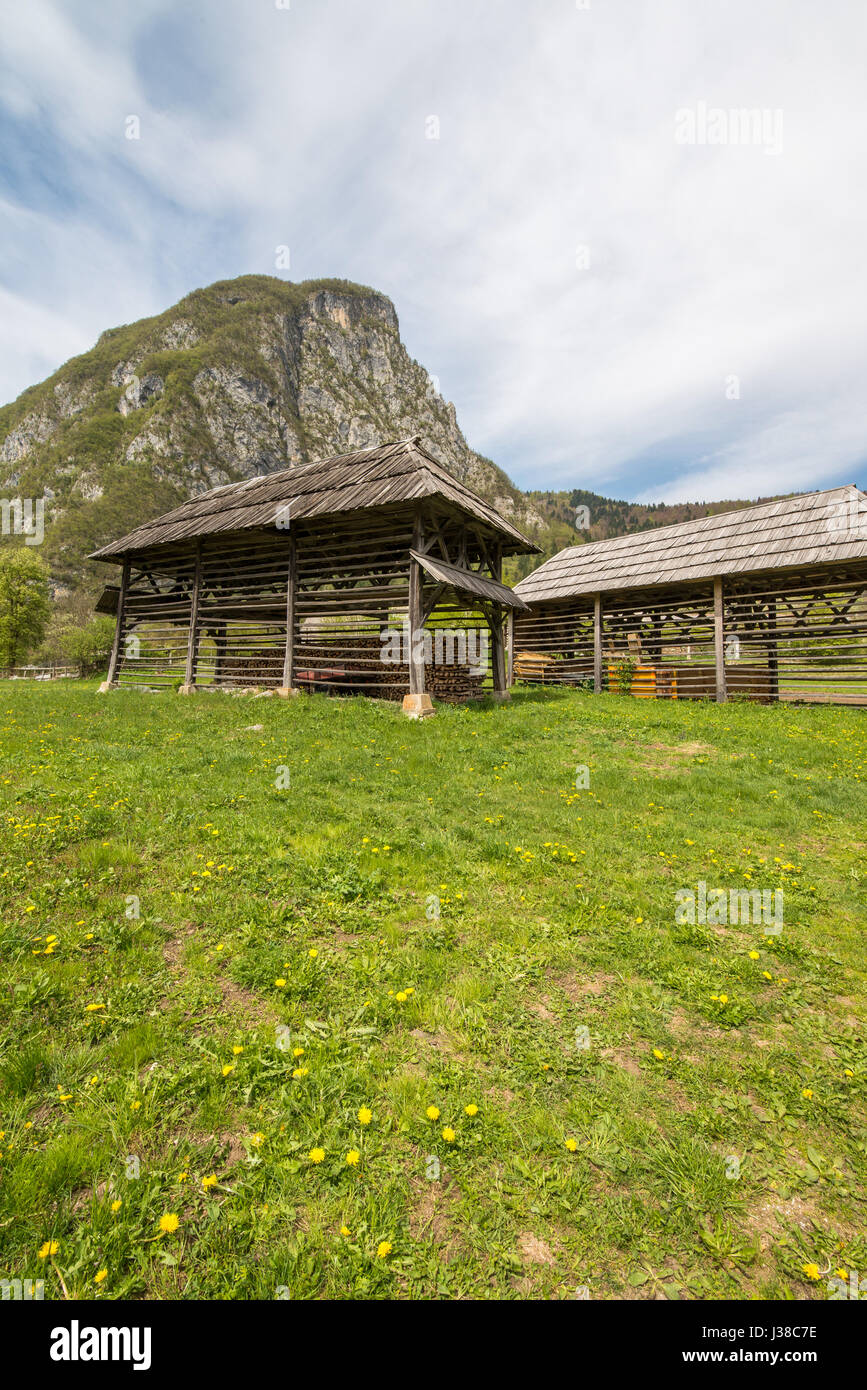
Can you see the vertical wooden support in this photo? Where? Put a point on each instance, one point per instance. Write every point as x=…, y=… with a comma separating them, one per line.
x=597, y=643
x=289, y=654
x=719, y=642
x=416, y=619
x=773, y=651
x=118, y=631
x=510, y=649
x=189, y=684
x=219, y=635
x=498, y=653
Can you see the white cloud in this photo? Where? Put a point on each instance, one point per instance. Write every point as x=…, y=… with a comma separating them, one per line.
x=306, y=127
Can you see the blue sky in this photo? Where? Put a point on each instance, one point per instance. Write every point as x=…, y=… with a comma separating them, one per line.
x=610, y=303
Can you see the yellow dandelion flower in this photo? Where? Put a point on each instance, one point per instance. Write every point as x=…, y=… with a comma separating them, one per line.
x=754, y=955
x=257, y=1138
x=228, y=1069
x=811, y=1271
x=572, y=1145
x=116, y=1204
x=807, y=1093
x=100, y=1275
x=432, y=1112
x=237, y=1050
x=383, y=1250
x=365, y=1116
x=353, y=1158
x=471, y=1110
x=209, y=1182
x=316, y=1155
x=281, y=984
x=169, y=1222
x=449, y=1134
x=659, y=1054
x=50, y=1247
x=345, y=1231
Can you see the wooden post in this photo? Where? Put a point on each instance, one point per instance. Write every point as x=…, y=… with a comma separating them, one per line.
x=287, y=687
x=597, y=643
x=417, y=704
x=118, y=631
x=719, y=642
x=773, y=651
x=498, y=654
x=219, y=635
x=189, y=684
x=510, y=649
x=416, y=619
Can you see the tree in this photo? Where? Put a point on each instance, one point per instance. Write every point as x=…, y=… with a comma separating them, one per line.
x=24, y=603
x=89, y=647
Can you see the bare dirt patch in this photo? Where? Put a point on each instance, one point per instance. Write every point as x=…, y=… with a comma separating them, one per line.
x=577, y=985
x=434, y=1214
x=534, y=1250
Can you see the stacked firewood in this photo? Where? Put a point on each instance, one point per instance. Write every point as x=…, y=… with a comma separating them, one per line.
x=257, y=667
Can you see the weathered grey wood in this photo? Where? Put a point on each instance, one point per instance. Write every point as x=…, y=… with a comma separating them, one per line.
x=510, y=649
x=719, y=642
x=597, y=643
x=291, y=579
x=498, y=651
x=773, y=651
x=118, y=631
x=805, y=530
x=415, y=612
x=193, y=643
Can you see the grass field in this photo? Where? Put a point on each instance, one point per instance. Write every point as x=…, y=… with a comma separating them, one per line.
x=231, y=1009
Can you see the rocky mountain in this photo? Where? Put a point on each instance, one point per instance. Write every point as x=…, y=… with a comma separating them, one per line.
x=245, y=377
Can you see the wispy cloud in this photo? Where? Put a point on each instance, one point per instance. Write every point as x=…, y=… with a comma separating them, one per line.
x=586, y=288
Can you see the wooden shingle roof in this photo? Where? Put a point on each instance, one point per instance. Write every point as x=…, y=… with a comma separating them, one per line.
x=466, y=581
x=815, y=528
x=374, y=477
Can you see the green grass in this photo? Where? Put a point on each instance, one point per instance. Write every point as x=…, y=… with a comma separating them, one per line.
x=556, y=926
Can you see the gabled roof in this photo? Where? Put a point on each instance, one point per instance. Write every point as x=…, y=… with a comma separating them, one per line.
x=815, y=528
x=375, y=477
x=469, y=582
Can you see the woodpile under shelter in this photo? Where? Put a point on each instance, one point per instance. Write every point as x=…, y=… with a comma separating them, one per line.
x=375, y=573
x=767, y=602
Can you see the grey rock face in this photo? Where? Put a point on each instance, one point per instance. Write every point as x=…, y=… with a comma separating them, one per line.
x=324, y=375
x=140, y=392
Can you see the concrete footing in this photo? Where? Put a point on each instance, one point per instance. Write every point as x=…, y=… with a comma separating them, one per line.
x=104, y=688
x=186, y=690
x=287, y=692
x=418, y=706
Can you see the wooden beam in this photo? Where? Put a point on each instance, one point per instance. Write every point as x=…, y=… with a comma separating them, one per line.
x=416, y=614
x=498, y=652
x=773, y=650
x=719, y=642
x=291, y=579
x=510, y=649
x=118, y=631
x=597, y=643
x=193, y=641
